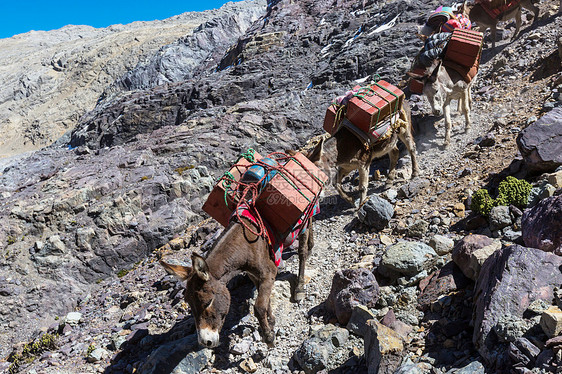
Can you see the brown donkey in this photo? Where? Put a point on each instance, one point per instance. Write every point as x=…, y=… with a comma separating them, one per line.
x=237, y=250
x=484, y=20
x=346, y=152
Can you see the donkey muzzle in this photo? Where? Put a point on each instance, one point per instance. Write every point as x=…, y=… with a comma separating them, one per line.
x=208, y=338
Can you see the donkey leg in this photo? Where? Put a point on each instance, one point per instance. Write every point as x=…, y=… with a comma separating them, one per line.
x=262, y=308
x=517, y=23
x=410, y=143
x=493, y=35
x=393, y=155
x=343, y=194
x=363, y=182
x=303, y=255
x=466, y=109
x=448, y=123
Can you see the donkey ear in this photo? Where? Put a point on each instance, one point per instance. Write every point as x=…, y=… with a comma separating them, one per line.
x=179, y=271
x=200, y=267
x=433, y=77
x=316, y=153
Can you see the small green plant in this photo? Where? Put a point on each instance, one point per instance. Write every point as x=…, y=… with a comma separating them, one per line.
x=11, y=240
x=30, y=351
x=146, y=177
x=511, y=191
x=514, y=191
x=90, y=349
x=121, y=273
x=482, y=202
x=184, y=168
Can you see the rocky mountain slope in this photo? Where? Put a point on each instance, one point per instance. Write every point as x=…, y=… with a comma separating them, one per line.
x=50, y=79
x=79, y=226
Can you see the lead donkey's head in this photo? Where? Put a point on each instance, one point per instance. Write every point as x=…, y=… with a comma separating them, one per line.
x=207, y=297
x=434, y=89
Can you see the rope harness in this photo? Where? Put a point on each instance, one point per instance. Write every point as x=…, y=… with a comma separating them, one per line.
x=381, y=130
x=245, y=194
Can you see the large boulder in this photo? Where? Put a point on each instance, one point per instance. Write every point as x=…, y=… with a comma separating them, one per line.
x=510, y=280
x=541, y=225
x=540, y=144
x=351, y=287
x=471, y=251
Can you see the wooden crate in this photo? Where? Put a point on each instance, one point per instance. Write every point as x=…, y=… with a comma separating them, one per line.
x=416, y=86
x=215, y=205
x=330, y=124
x=375, y=105
x=284, y=199
x=464, y=48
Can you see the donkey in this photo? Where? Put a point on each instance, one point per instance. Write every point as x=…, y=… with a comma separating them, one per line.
x=237, y=250
x=441, y=84
x=346, y=152
x=478, y=14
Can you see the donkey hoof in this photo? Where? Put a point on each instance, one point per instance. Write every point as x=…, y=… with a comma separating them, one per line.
x=269, y=338
x=299, y=295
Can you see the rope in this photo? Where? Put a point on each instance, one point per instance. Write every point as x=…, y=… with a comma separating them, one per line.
x=248, y=193
x=368, y=91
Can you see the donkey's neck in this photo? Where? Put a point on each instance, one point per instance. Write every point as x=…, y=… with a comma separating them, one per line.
x=233, y=253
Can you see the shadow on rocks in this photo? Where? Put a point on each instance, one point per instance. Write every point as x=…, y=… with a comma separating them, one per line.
x=178, y=349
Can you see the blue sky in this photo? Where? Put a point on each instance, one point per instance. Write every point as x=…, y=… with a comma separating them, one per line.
x=19, y=16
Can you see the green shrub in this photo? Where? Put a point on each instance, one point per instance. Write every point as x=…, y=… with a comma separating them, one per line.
x=482, y=202
x=514, y=191
x=511, y=191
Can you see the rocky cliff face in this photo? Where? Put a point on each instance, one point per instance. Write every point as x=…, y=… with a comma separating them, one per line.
x=135, y=170
x=50, y=79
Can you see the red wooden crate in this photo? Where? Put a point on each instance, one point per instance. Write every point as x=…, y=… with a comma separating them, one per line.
x=376, y=104
x=464, y=48
x=284, y=199
x=215, y=205
x=416, y=86
x=330, y=124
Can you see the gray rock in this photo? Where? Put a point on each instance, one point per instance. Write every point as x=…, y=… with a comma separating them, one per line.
x=242, y=347
x=542, y=191
x=97, y=354
x=192, y=359
x=314, y=353
x=411, y=189
x=358, y=320
x=73, y=318
x=475, y=367
x=442, y=244
x=510, y=280
x=417, y=229
x=500, y=217
x=376, y=212
x=312, y=356
x=541, y=142
x=408, y=258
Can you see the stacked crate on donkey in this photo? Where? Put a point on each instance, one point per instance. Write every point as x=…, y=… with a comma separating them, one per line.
x=290, y=193
x=222, y=201
x=373, y=104
x=463, y=52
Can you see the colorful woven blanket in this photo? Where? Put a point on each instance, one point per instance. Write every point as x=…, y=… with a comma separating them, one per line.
x=277, y=244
